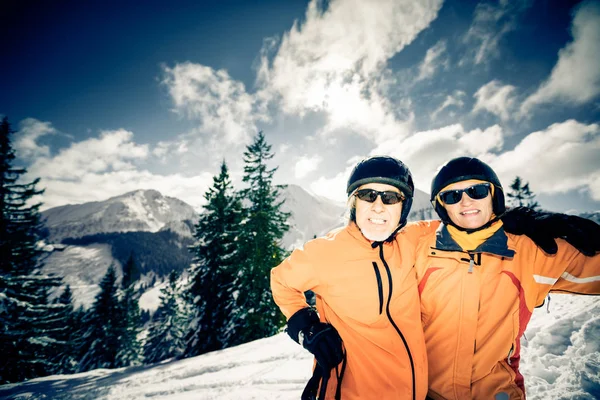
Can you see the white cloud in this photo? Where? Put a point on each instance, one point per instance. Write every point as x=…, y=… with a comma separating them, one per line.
x=112, y=151
x=99, y=168
x=424, y=152
x=166, y=149
x=560, y=158
x=334, y=187
x=100, y=186
x=454, y=99
x=495, y=98
x=30, y=130
x=306, y=165
x=284, y=148
x=334, y=63
x=227, y=113
x=490, y=23
x=433, y=60
x=576, y=76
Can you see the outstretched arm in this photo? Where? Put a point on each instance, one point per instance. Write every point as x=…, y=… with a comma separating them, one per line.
x=568, y=271
x=413, y=231
x=543, y=227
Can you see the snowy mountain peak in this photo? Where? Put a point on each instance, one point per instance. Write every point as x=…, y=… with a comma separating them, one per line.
x=139, y=210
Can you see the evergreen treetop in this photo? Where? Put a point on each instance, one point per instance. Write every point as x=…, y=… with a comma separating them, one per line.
x=19, y=222
x=260, y=241
x=213, y=274
x=521, y=195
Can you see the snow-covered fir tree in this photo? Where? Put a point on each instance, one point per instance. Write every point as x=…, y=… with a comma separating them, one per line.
x=102, y=337
x=68, y=325
x=213, y=272
x=166, y=332
x=260, y=242
x=130, y=350
x=28, y=335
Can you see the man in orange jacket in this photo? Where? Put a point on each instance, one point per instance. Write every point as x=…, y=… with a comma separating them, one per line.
x=366, y=293
x=366, y=288
x=479, y=285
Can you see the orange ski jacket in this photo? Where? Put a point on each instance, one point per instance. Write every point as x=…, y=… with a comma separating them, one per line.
x=476, y=305
x=369, y=294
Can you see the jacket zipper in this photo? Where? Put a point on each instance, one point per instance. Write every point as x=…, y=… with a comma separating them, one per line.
x=379, y=287
x=472, y=261
x=387, y=311
x=510, y=353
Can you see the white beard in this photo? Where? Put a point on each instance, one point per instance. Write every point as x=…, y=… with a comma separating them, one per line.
x=376, y=237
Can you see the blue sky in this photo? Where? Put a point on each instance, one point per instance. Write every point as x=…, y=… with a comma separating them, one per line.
x=109, y=97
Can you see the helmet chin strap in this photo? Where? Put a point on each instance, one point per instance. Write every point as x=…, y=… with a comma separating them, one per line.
x=482, y=227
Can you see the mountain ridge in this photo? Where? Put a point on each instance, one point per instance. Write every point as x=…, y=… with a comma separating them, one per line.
x=138, y=210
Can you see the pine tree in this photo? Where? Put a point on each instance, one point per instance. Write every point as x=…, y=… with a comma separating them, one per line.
x=28, y=336
x=130, y=324
x=213, y=272
x=131, y=272
x=68, y=325
x=102, y=340
x=263, y=228
x=166, y=332
x=521, y=195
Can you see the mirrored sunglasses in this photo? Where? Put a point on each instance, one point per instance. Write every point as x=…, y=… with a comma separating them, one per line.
x=387, y=196
x=476, y=192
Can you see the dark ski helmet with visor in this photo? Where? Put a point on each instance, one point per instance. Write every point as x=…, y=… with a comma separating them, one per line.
x=463, y=169
x=387, y=170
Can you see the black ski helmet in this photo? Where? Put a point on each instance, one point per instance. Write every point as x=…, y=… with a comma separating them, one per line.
x=462, y=169
x=388, y=170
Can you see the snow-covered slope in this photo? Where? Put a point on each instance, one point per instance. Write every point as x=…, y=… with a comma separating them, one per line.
x=594, y=216
x=561, y=360
x=421, y=207
x=311, y=216
x=140, y=210
x=82, y=267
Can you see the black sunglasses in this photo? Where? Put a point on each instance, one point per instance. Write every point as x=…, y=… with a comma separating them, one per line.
x=476, y=192
x=387, y=196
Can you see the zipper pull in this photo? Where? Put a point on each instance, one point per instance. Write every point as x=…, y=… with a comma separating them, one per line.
x=471, y=264
x=510, y=353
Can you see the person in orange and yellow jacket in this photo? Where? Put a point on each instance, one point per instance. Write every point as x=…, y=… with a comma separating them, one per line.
x=479, y=284
x=366, y=293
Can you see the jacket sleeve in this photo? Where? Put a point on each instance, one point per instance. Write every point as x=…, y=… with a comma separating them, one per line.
x=290, y=279
x=569, y=271
x=414, y=231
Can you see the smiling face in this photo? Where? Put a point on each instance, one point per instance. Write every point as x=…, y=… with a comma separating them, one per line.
x=469, y=213
x=376, y=220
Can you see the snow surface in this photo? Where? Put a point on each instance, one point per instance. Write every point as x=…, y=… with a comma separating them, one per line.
x=82, y=267
x=150, y=300
x=561, y=360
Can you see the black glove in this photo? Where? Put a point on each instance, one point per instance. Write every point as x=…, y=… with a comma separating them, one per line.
x=542, y=227
x=321, y=339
